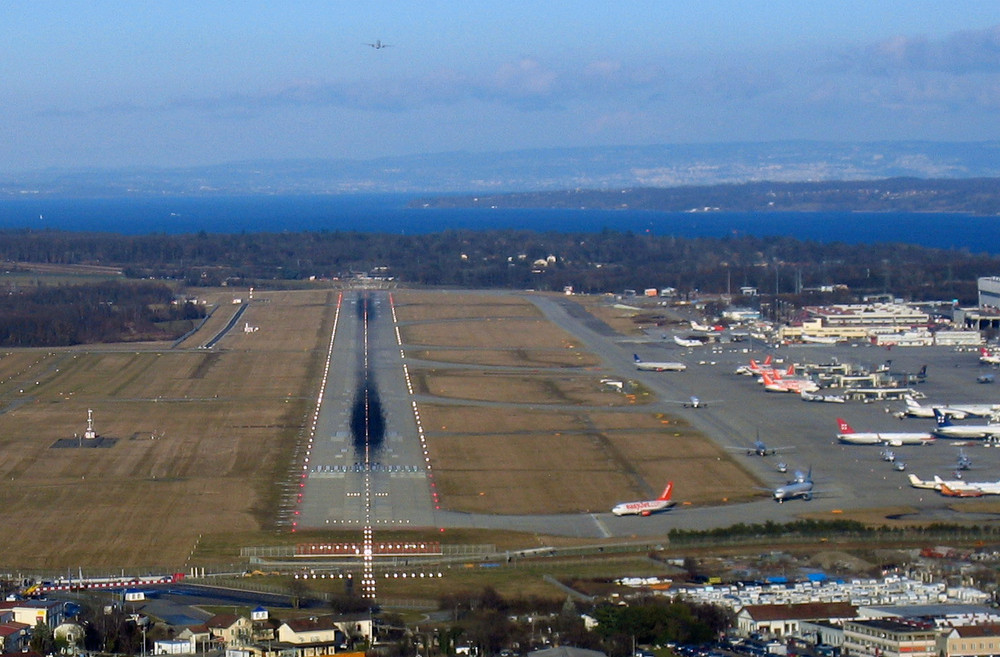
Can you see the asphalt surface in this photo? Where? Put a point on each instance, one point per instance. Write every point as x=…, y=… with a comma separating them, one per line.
x=388, y=485
x=845, y=476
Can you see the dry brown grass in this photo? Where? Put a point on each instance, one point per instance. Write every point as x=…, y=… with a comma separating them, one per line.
x=202, y=436
x=567, y=357
x=518, y=388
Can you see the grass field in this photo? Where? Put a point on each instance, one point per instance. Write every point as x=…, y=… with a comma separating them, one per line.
x=201, y=440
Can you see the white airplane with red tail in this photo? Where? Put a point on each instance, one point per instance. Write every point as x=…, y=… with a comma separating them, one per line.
x=646, y=507
x=894, y=438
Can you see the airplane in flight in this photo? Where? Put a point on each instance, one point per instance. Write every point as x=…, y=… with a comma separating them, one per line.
x=645, y=366
x=647, y=507
x=688, y=342
x=800, y=486
x=894, y=438
x=781, y=384
x=945, y=429
x=694, y=402
x=830, y=399
x=378, y=45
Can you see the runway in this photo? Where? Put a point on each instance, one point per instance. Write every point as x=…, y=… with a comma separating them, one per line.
x=366, y=464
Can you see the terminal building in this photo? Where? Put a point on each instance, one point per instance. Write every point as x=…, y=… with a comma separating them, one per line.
x=882, y=323
x=986, y=316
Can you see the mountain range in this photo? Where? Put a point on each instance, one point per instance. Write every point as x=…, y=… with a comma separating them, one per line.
x=599, y=167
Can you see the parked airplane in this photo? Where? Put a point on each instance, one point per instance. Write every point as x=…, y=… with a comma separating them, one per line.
x=987, y=357
x=800, y=486
x=888, y=455
x=695, y=326
x=976, y=410
x=646, y=507
x=819, y=339
x=688, y=342
x=797, y=386
x=957, y=487
x=946, y=429
x=694, y=402
x=894, y=438
x=916, y=409
x=755, y=368
x=834, y=399
x=640, y=364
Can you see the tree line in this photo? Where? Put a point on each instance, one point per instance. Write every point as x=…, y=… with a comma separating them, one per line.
x=110, y=311
x=607, y=261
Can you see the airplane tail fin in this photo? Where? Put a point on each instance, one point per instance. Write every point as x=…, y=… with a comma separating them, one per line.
x=914, y=480
x=636, y=358
x=844, y=426
x=942, y=419
x=791, y=370
x=767, y=361
x=667, y=492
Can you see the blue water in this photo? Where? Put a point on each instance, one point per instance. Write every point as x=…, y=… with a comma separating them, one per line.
x=388, y=213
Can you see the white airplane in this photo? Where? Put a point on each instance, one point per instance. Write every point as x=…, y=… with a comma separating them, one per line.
x=888, y=455
x=755, y=368
x=819, y=339
x=834, y=399
x=686, y=342
x=694, y=402
x=640, y=364
x=800, y=486
x=797, y=386
x=988, y=357
x=894, y=438
x=646, y=507
x=975, y=410
x=945, y=429
x=957, y=487
x=916, y=409
x=695, y=326
x=378, y=45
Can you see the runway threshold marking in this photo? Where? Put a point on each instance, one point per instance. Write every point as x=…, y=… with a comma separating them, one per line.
x=600, y=526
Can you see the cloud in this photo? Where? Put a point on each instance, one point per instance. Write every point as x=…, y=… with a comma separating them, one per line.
x=969, y=51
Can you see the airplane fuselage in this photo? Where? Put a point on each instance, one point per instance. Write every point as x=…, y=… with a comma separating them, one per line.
x=643, y=508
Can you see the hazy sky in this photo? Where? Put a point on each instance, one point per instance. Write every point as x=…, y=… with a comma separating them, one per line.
x=177, y=82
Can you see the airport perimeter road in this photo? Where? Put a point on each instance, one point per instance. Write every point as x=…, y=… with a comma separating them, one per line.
x=366, y=464
x=846, y=476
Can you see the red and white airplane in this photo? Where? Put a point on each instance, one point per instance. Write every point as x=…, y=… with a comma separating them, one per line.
x=646, y=507
x=894, y=438
x=987, y=357
x=779, y=384
x=755, y=368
